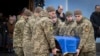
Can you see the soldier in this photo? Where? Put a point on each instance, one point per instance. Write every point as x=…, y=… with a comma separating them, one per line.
x=28, y=31
x=85, y=31
x=68, y=26
x=36, y=12
x=55, y=21
x=18, y=33
x=42, y=37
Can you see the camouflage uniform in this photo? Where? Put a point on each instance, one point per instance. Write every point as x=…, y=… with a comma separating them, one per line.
x=43, y=29
x=33, y=30
x=67, y=28
x=18, y=17
x=57, y=26
x=42, y=37
x=27, y=34
x=85, y=31
x=18, y=37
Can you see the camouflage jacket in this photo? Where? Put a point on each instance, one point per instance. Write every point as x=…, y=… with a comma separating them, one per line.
x=42, y=36
x=38, y=34
x=67, y=28
x=85, y=31
x=57, y=26
x=27, y=33
x=18, y=33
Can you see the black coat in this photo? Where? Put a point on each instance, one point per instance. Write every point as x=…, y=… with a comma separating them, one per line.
x=95, y=19
x=61, y=18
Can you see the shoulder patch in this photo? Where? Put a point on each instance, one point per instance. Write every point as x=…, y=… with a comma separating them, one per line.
x=86, y=28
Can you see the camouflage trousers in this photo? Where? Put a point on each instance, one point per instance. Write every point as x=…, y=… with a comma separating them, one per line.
x=19, y=51
x=91, y=53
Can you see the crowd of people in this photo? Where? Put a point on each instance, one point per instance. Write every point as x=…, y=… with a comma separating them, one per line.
x=32, y=32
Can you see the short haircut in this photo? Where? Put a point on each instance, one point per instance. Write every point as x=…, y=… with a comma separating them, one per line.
x=96, y=6
x=27, y=12
x=38, y=10
x=50, y=9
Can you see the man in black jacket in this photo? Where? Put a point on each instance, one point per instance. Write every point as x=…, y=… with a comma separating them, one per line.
x=60, y=13
x=95, y=19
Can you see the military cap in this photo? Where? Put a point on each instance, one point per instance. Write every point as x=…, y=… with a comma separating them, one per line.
x=69, y=13
x=50, y=9
x=44, y=13
x=38, y=9
x=27, y=12
x=77, y=12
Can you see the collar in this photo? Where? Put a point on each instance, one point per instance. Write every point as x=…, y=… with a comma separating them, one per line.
x=68, y=22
